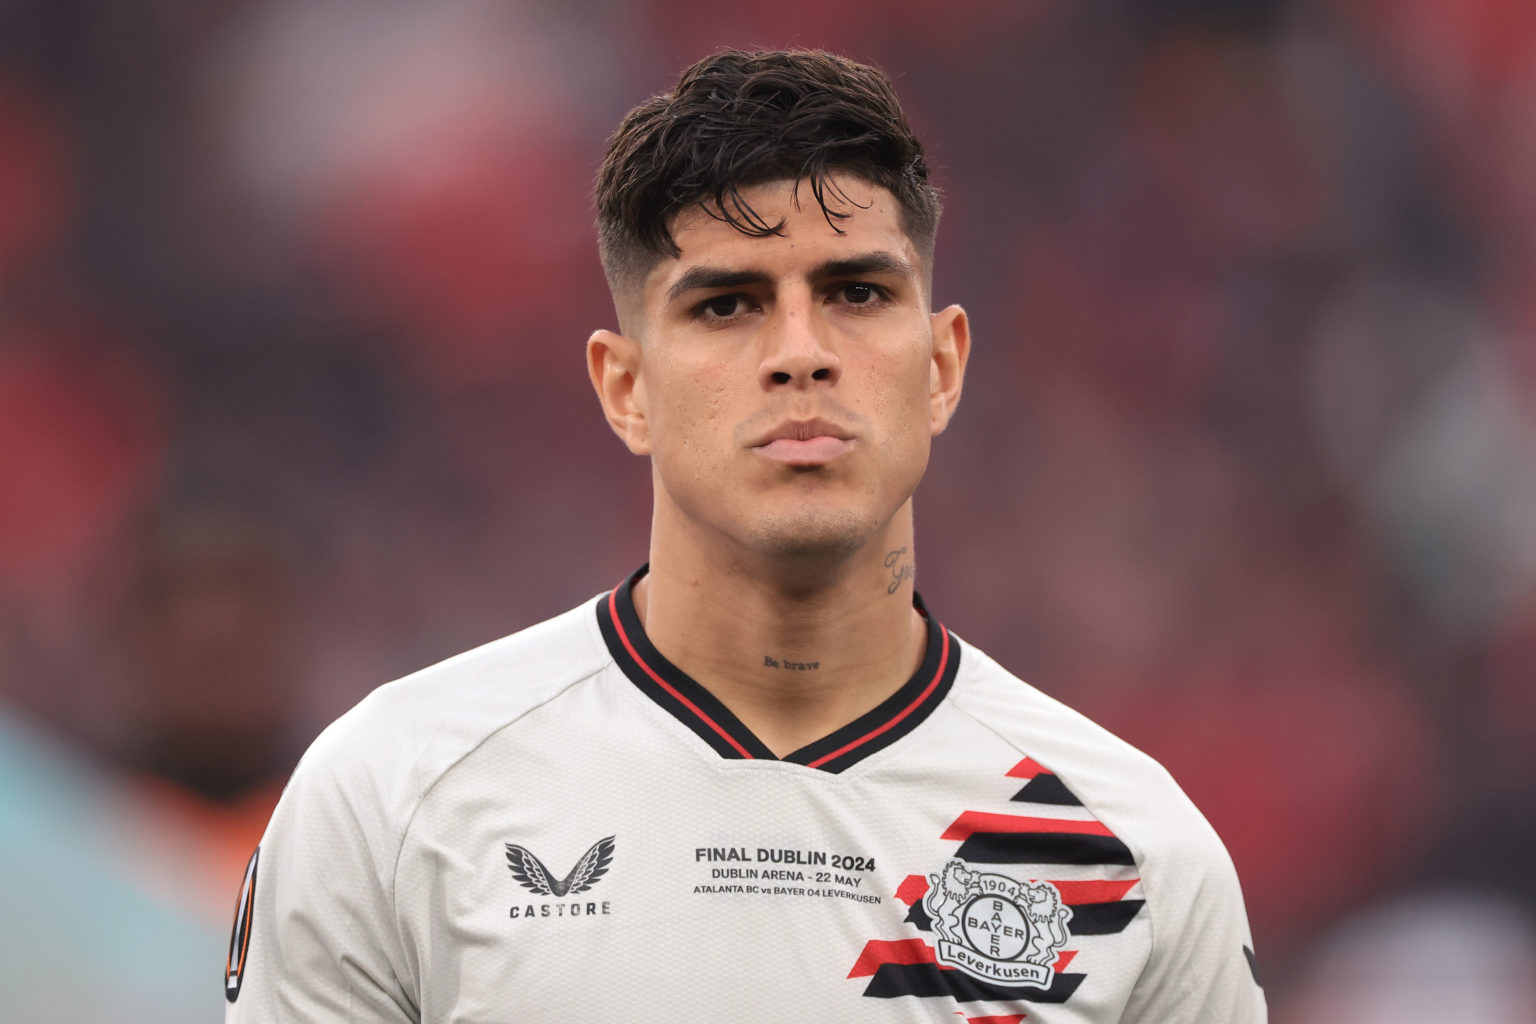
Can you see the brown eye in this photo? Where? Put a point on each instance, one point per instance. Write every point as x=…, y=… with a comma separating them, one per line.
x=858, y=294
x=721, y=305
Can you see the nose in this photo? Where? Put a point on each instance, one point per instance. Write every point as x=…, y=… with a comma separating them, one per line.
x=797, y=351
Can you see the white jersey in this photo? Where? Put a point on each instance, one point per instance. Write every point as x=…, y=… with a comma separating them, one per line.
x=562, y=826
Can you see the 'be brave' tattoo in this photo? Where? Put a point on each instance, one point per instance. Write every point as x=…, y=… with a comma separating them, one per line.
x=793, y=666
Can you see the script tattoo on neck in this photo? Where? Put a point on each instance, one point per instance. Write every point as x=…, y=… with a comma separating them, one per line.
x=901, y=568
x=793, y=666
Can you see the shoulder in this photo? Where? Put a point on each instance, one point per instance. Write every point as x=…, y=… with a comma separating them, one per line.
x=1120, y=785
x=1198, y=968
x=386, y=752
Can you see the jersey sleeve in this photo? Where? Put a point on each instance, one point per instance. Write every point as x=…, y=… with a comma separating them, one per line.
x=1201, y=969
x=315, y=937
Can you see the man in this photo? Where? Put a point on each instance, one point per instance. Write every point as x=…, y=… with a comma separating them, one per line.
x=757, y=781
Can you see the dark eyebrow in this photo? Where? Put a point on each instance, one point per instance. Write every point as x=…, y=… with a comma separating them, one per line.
x=874, y=262
x=715, y=277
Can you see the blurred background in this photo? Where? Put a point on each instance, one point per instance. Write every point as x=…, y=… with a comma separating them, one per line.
x=292, y=302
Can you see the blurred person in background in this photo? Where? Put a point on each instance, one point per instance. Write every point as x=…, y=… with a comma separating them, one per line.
x=1452, y=954
x=209, y=595
x=766, y=699
x=122, y=859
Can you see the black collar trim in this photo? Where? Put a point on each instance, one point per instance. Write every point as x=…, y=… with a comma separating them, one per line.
x=698, y=709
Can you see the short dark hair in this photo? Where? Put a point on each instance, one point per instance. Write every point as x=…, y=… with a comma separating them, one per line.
x=738, y=119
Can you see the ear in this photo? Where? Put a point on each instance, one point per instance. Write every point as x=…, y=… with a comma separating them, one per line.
x=613, y=363
x=946, y=374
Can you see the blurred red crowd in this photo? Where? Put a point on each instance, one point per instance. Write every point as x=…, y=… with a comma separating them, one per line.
x=292, y=300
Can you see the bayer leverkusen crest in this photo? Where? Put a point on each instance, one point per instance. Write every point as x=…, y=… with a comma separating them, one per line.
x=995, y=928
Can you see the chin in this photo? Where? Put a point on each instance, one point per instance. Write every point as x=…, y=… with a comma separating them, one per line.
x=812, y=536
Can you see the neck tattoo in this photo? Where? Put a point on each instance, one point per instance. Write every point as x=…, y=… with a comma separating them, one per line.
x=901, y=568
x=793, y=666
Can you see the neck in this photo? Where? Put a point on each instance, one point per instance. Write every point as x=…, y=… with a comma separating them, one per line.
x=794, y=652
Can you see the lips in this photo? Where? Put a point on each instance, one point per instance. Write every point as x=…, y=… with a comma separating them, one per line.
x=804, y=442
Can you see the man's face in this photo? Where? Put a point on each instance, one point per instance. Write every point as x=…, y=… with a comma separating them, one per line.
x=787, y=387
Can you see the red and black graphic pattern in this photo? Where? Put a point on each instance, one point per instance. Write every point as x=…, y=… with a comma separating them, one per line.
x=909, y=966
x=712, y=721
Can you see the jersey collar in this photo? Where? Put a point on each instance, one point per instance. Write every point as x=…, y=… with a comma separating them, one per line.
x=693, y=705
